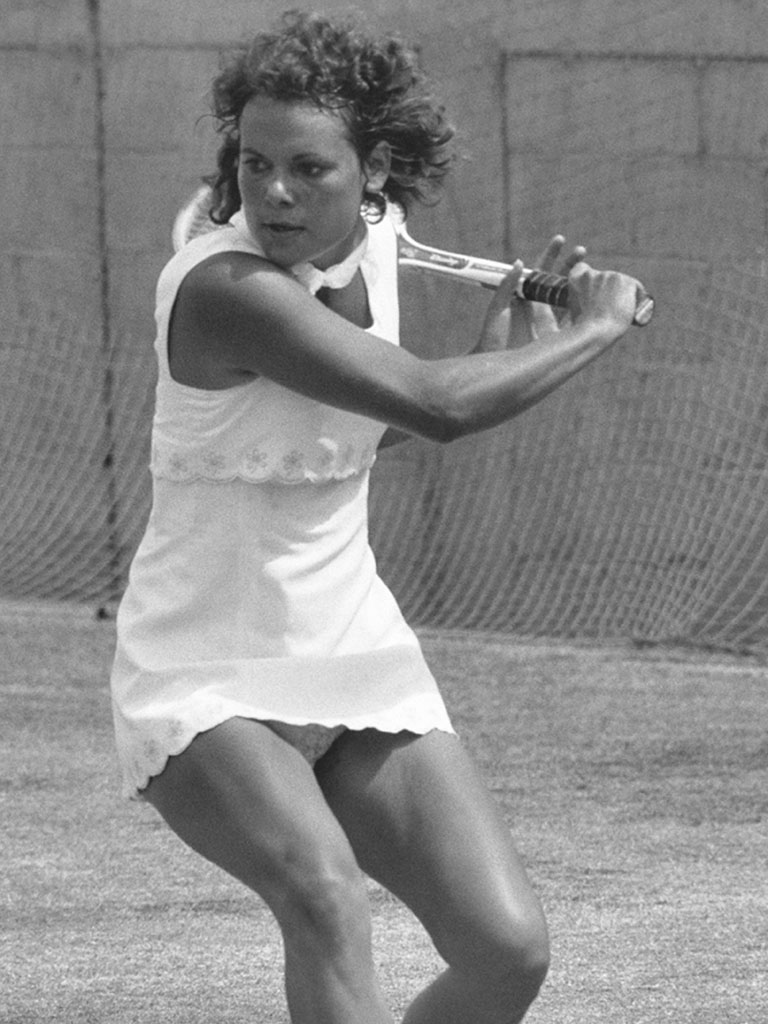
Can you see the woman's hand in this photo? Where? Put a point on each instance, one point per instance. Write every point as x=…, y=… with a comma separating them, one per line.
x=605, y=298
x=511, y=322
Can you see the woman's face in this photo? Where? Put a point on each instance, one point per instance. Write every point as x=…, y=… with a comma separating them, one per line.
x=301, y=182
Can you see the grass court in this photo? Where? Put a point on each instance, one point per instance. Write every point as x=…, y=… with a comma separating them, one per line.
x=635, y=782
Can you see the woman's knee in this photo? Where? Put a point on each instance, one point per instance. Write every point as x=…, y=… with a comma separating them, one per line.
x=324, y=904
x=508, y=957
x=520, y=958
x=526, y=952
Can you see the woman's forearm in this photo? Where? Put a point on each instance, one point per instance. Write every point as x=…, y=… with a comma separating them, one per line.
x=487, y=388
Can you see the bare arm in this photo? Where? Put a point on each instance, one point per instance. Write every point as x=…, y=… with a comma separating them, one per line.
x=241, y=317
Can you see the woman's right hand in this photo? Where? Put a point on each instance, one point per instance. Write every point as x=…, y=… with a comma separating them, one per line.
x=605, y=298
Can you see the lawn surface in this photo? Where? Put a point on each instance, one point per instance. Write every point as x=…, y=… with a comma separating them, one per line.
x=635, y=782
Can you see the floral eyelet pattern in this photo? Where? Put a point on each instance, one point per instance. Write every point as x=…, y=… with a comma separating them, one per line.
x=258, y=465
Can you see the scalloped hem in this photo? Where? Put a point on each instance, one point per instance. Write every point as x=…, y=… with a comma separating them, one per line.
x=312, y=745
x=157, y=713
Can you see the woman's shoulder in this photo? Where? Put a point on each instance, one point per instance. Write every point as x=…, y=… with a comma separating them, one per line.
x=220, y=239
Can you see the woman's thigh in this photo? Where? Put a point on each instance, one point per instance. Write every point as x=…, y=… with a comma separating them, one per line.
x=246, y=800
x=423, y=823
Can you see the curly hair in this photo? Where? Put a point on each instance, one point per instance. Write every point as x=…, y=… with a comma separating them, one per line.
x=375, y=85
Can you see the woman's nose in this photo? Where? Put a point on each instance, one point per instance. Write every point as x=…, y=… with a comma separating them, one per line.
x=278, y=190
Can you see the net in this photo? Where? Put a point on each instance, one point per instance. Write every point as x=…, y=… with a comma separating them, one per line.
x=74, y=486
x=630, y=504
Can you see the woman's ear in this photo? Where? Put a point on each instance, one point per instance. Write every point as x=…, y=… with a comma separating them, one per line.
x=376, y=167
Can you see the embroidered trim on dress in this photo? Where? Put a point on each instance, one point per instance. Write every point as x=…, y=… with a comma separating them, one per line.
x=259, y=466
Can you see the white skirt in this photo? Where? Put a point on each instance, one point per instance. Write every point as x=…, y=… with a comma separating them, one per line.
x=260, y=601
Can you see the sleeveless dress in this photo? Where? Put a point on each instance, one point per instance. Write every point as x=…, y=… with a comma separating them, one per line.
x=254, y=591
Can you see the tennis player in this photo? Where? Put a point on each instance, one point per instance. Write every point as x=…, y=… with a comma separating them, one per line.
x=269, y=699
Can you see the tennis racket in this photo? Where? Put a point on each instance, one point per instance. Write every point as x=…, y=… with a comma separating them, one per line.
x=535, y=285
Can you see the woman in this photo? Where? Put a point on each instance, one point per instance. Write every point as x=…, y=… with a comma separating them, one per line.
x=270, y=701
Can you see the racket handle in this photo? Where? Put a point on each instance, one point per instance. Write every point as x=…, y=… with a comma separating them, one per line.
x=539, y=286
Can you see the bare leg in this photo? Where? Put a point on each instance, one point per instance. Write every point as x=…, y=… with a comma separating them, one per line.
x=247, y=801
x=423, y=824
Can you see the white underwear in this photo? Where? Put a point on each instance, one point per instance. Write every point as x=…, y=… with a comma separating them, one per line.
x=311, y=741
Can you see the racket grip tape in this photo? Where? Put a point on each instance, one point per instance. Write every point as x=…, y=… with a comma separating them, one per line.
x=552, y=289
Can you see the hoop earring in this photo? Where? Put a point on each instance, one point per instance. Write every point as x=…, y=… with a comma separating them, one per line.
x=374, y=205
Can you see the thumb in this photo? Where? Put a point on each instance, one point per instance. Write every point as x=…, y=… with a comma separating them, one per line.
x=507, y=289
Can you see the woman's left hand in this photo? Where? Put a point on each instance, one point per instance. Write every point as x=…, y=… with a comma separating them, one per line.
x=511, y=322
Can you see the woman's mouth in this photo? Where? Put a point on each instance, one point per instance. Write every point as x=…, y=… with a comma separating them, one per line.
x=281, y=228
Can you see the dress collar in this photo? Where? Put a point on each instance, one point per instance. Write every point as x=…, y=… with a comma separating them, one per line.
x=307, y=274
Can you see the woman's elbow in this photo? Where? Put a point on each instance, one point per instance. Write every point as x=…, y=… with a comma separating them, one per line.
x=443, y=418
x=451, y=428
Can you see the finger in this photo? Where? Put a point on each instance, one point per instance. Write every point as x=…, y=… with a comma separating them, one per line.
x=577, y=256
x=505, y=293
x=550, y=254
x=580, y=268
x=580, y=274
x=600, y=292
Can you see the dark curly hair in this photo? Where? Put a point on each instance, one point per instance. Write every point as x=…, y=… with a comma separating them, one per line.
x=375, y=85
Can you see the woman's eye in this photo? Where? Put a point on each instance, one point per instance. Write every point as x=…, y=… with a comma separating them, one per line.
x=312, y=170
x=254, y=165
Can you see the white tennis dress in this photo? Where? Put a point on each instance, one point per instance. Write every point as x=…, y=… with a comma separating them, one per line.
x=254, y=591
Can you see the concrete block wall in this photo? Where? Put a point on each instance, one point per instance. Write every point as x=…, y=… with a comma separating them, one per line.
x=640, y=130
x=615, y=122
